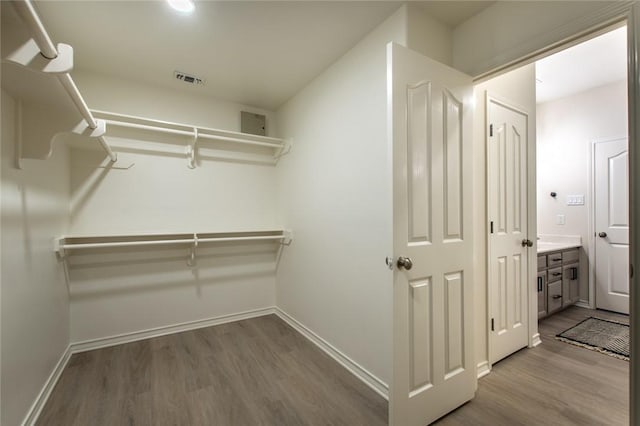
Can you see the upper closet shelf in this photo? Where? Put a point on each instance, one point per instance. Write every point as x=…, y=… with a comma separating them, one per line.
x=279, y=146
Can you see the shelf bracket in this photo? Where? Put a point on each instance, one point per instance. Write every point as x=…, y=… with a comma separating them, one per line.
x=284, y=150
x=83, y=129
x=191, y=262
x=57, y=248
x=287, y=237
x=28, y=55
x=191, y=150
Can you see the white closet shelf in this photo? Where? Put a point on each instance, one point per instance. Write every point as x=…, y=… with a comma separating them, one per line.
x=280, y=146
x=66, y=244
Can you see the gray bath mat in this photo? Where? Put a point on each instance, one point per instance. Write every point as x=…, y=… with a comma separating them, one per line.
x=608, y=337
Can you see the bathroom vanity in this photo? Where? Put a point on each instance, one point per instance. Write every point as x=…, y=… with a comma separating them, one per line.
x=558, y=276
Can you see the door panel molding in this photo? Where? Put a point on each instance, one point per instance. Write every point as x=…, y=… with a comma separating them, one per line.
x=510, y=278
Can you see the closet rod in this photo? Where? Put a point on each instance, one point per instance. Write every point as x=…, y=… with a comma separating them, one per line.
x=190, y=133
x=126, y=244
x=167, y=242
x=29, y=15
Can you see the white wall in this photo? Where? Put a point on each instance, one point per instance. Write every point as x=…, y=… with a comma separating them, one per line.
x=567, y=128
x=428, y=36
x=35, y=308
x=509, y=30
x=518, y=88
x=125, y=291
x=335, y=191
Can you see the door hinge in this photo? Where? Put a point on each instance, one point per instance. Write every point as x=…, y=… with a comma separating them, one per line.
x=490, y=129
x=492, y=325
x=491, y=226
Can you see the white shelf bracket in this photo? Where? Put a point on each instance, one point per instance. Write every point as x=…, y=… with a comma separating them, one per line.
x=284, y=150
x=58, y=249
x=191, y=150
x=287, y=237
x=28, y=55
x=192, y=257
x=83, y=129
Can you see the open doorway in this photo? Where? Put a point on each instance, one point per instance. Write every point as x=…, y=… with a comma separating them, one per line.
x=557, y=239
x=582, y=176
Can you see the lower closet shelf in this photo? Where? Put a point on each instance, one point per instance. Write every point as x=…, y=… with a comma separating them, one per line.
x=64, y=246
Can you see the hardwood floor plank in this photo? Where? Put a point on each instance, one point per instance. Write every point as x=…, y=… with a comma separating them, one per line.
x=262, y=372
x=555, y=383
x=253, y=372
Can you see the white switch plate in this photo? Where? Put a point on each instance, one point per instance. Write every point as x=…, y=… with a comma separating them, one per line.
x=575, y=200
x=560, y=219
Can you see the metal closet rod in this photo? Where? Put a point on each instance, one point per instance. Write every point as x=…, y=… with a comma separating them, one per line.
x=28, y=14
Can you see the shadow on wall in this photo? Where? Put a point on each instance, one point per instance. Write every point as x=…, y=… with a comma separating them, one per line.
x=99, y=272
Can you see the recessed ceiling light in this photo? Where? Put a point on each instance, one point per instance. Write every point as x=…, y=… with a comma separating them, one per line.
x=182, y=6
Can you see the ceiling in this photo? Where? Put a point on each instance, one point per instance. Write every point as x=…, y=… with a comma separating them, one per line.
x=257, y=53
x=454, y=12
x=596, y=62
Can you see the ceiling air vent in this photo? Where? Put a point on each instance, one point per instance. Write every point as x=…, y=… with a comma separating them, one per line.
x=188, y=78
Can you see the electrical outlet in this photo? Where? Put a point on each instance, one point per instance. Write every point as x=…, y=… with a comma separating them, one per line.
x=560, y=219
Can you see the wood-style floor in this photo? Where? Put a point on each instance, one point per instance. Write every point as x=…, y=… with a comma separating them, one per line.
x=262, y=372
x=253, y=372
x=555, y=383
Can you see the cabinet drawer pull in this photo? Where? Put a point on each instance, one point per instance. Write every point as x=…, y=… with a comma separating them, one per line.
x=556, y=259
x=555, y=274
x=557, y=296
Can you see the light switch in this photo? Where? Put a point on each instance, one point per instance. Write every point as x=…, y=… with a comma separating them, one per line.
x=560, y=219
x=575, y=200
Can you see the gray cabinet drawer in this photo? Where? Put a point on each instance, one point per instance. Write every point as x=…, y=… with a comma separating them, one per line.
x=542, y=262
x=554, y=259
x=542, y=294
x=555, y=274
x=570, y=256
x=554, y=297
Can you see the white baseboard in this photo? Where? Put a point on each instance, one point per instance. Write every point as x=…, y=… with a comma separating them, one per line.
x=583, y=304
x=484, y=368
x=535, y=340
x=45, y=392
x=89, y=345
x=356, y=369
x=360, y=372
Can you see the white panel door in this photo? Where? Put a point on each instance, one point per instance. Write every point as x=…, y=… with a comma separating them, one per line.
x=507, y=211
x=611, y=178
x=434, y=368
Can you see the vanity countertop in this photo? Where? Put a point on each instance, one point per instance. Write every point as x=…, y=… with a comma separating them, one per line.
x=548, y=247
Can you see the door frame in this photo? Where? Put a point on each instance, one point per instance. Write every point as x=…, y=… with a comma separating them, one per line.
x=532, y=312
x=591, y=244
x=629, y=14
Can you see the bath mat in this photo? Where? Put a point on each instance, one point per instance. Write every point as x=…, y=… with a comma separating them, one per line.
x=608, y=337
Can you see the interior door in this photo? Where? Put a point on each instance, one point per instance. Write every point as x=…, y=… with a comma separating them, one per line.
x=508, y=241
x=611, y=185
x=434, y=369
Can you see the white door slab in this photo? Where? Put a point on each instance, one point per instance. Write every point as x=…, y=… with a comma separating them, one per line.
x=611, y=192
x=507, y=194
x=434, y=367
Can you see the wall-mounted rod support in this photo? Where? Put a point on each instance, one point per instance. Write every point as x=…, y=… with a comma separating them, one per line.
x=39, y=34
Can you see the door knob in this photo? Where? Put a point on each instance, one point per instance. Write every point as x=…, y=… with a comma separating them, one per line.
x=527, y=243
x=405, y=262
x=602, y=235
